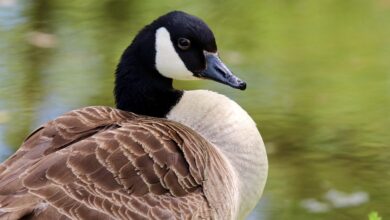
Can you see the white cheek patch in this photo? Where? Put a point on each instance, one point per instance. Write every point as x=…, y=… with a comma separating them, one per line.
x=168, y=62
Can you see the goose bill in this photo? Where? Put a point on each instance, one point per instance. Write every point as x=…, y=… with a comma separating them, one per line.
x=216, y=70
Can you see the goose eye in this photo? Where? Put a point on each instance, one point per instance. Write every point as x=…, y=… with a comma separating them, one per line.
x=183, y=43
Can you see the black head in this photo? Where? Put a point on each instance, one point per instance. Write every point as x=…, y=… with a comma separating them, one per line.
x=186, y=48
x=189, y=36
x=174, y=46
x=181, y=46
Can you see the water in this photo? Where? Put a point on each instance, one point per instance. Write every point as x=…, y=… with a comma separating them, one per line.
x=318, y=76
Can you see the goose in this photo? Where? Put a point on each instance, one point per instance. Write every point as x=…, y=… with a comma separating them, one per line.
x=162, y=153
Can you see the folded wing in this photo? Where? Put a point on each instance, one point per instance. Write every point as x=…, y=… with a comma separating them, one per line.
x=103, y=163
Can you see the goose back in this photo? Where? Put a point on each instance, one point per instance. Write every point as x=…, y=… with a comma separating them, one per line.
x=104, y=163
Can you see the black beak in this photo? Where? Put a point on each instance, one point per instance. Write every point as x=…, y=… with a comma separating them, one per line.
x=216, y=70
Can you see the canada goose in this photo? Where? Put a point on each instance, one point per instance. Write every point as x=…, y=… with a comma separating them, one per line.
x=161, y=154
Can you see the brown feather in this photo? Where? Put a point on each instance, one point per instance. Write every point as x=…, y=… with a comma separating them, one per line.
x=104, y=163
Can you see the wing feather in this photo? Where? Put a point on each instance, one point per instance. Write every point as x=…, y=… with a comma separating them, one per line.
x=103, y=163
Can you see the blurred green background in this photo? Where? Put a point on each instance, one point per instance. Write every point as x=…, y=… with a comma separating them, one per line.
x=318, y=76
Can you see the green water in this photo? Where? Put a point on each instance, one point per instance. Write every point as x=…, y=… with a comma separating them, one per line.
x=318, y=76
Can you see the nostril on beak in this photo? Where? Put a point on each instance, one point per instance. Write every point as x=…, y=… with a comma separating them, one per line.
x=221, y=71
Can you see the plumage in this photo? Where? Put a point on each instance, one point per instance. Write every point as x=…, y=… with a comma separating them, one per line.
x=161, y=154
x=107, y=163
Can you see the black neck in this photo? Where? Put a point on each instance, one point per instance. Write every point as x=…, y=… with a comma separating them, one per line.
x=139, y=88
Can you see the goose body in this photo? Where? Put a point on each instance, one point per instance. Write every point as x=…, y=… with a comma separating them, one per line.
x=161, y=154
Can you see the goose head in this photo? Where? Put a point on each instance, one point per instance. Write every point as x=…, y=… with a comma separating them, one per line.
x=176, y=46
x=186, y=49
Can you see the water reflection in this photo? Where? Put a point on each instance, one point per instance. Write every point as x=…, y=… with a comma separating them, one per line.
x=318, y=73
